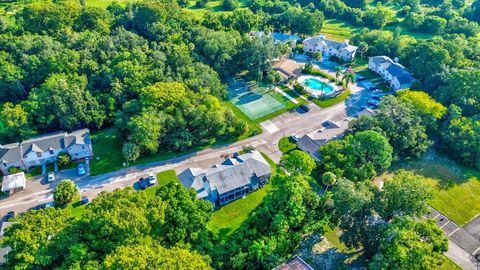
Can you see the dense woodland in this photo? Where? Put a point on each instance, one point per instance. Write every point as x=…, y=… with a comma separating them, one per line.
x=158, y=75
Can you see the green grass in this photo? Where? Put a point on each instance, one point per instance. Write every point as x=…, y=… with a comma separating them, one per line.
x=163, y=178
x=456, y=187
x=338, y=30
x=76, y=209
x=231, y=216
x=324, y=103
x=286, y=145
x=107, y=147
x=448, y=265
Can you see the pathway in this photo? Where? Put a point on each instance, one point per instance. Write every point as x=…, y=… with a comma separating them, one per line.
x=286, y=95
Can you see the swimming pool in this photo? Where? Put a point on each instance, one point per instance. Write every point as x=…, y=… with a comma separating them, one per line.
x=318, y=85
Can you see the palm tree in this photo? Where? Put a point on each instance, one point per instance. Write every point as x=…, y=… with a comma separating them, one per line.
x=329, y=179
x=349, y=77
x=338, y=71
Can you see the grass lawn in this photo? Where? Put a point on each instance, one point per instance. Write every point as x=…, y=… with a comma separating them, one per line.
x=107, y=146
x=163, y=178
x=338, y=30
x=324, y=103
x=76, y=209
x=456, y=188
x=229, y=217
x=286, y=145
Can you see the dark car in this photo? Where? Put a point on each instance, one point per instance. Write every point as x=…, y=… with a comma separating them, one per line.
x=377, y=97
x=360, y=78
x=305, y=107
x=372, y=88
x=373, y=103
x=84, y=200
x=9, y=215
x=44, y=205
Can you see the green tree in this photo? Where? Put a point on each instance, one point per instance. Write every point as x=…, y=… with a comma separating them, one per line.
x=63, y=159
x=410, y=244
x=338, y=72
x=14, y=125
x=328, y=179
x=130, y=151
x=66, y=192
x=186, y=217
x=30, y=237
x=362, y=48
x=378, y=17
x=229, y=5
x=298, y=162
x=405, y=194
x=152, y=256
x=63, y=101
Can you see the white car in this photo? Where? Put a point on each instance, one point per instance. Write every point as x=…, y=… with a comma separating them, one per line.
x=50, y=177
x=295, y=137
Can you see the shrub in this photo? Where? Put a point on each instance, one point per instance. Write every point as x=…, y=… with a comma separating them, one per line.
x=299, y=88
x=66, y=192
x=13, y=170
x=63, y=159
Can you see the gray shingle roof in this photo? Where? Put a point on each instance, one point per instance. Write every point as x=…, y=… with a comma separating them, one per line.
x=398, y=71
x=233, y=173
x=57, y=141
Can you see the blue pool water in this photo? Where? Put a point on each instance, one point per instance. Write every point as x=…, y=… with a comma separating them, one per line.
x=318, y=85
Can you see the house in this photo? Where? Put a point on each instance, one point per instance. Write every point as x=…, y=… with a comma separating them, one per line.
x=288, y=69
x=391, y=71
x=43, y=149
x=295, y=264
x=230, y=180
x=328, y=48
x=311, y=142
x=14, y=182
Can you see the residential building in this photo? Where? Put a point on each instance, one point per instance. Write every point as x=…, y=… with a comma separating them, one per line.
x=40, y=150
x=391, y=71
x=312, y=142
x=14, y=182
x=328, y=48
x=288, y=69
x=230, y=180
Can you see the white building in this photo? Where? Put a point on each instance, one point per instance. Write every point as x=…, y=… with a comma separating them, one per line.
x=14, y=182
x=391, y=71
x=46, y=148
x=328, y=48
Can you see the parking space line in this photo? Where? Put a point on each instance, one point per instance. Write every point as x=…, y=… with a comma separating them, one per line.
x=436, y=216
x=476, y=250
x=453, y=232
x=448, y=221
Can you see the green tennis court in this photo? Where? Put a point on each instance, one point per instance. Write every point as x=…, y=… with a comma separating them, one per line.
x=256, y=105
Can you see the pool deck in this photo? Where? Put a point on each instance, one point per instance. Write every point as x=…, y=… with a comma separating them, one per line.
x=313, y=92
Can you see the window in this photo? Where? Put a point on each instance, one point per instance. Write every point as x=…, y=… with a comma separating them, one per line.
x=51, y=152
x=39, y=154
x=4, y=164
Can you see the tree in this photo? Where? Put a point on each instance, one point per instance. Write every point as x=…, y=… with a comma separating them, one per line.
x=154, y=256
x=14, y=125
x=405, y=194
x=317, y=56
x=63, y=159
x=130, y=151
x=328, y=179
x=378, y=17
x=362, y=48
x=63, y=101
x=30, y=237
x=410, y=244
x=229, y=5
x=11, y=87
x=348, y=77
x=338, y=72
x=186, y=217
x=298, y=162
x=66, y=192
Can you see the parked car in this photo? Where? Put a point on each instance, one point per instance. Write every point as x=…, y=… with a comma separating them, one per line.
x=363, y=107
x=50, y=177
x=377, y=91
x=81, y=169
x=305, y=107
x=44, y=205
x=84, y=200
x=295, y=137
x=151, y=179
x=372, y=88
x=9, y=215
x=373, y=103
x=377, y=97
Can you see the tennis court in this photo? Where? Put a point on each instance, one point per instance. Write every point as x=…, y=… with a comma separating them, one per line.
x=252, y=102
